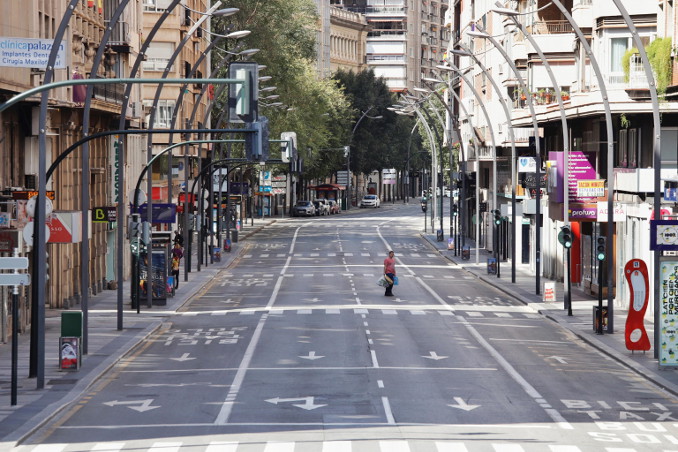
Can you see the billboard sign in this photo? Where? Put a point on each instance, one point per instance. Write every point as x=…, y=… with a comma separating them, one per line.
x=28, y=52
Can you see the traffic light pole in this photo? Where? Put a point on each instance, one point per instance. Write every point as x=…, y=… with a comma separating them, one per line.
x=568, y=283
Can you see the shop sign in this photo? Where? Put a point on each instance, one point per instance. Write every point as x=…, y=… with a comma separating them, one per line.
x=668, y=313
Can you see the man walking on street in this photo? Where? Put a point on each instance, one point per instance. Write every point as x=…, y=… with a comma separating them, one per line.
x=389, y=272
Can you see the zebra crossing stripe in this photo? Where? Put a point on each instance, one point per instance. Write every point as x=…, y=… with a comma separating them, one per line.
x=450, y=447
x=49, y=448
x=165, y=447
x=108, y=447
x=219, y=446
x=394, y=446
x=337, y=446
x=507, y=448
x=279, y=447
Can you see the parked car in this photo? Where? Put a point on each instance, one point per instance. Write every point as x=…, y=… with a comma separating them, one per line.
x=334, y=207
x=322, y=207
x=446, y=192
x=370, y=201
x=303, y=209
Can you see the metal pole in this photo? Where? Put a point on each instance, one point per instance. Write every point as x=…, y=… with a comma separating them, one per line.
x=535, y=125
x=656, y=151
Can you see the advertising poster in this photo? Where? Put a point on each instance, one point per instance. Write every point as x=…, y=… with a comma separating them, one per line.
x=69, y=353
x=668, y=293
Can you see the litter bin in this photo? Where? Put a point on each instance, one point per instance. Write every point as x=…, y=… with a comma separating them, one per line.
x=234, y=235
x=439, y=235
x=216, y=254
x=466, y=253
x=491, y=266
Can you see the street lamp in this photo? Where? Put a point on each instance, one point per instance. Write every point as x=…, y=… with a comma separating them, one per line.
x=535, y=125
x=348, y=153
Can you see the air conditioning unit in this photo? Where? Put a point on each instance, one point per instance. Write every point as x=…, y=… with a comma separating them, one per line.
x=137, y=109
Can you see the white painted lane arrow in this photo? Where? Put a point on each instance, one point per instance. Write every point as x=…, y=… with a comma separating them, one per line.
x=559, y=359
x=462, y=405
x=184, y=357
x=307, y=405
x=145, y=405
x=311, y=356
x=434, y=355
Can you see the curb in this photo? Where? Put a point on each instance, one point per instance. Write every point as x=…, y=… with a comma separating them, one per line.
x=54, y=409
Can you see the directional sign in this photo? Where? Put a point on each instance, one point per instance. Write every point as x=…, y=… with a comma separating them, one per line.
x=434, y=356
x=311, y=356
x=307, y=405
x=140, y=405
x=13, y=263
x=15, y=279
x=184, y=357
x=462, y=405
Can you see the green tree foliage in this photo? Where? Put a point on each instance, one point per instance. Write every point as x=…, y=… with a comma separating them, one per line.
x=285, y=33
x=376, y=143
x=659, y=54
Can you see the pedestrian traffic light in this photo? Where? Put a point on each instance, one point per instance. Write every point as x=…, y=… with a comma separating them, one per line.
x=497, y=217
x=135, y=226
x=455, y=210
x=565, y=237
x=600, y=248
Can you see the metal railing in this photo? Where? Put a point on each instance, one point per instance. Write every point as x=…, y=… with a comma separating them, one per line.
x=552, y=27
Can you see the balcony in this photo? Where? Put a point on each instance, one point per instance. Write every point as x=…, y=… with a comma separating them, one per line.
x=551, y=27
x=120, y=38
x=634, y=180
x=385, y=11
x=388, y=35
x=113, y=93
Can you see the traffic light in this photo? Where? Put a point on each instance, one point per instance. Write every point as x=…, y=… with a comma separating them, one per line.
x=455, y=210
x=243, y=100
x=135, y=225
x=600, y=248
x=46, y=266
x=256, y=143
x=146, y=233
x=289, y=149
x=497, y=217
x=565, y=236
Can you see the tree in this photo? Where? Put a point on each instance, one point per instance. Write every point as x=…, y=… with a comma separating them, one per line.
x=376, y=143
x=285, y=33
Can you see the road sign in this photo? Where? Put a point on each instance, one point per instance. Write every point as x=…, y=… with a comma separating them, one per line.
x=15, y=279
x=13, y=263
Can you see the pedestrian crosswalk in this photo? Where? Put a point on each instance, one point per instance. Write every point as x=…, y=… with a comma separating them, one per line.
x=361, y=254
x=464, y=312
x=320, y=446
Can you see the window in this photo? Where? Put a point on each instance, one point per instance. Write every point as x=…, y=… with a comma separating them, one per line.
x=158, y=55
x=627, y=156
x=618, y=47
x=163, y=115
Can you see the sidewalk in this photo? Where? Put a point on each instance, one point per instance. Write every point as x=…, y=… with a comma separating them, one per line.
x=580, y=323
x=106, y=346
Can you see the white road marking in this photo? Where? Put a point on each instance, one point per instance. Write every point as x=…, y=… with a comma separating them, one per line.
x=165, y=447
x=475, y=314
x=387, y=410
x=417, y=312
x=108, y=447
x=332, y=311
x=336, y=446
x=49, y=448
x=564, y=449
x=508, y=448
x=503, y=314
x=394, y=446
x=222, y=446
x=305, y=311
x=450, y=447
x=375, y=363
x=279, y=447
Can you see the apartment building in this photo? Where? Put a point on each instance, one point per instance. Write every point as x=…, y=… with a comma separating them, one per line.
x=406, y=39
x=109, y=110
x=612, y=72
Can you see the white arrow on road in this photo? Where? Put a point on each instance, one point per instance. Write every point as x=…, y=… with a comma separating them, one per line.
x=311, y=356
x=559, y=359
x=142, y=405
x=307, y=405
x=462, y=405
x=184, y=357
x=434, y=355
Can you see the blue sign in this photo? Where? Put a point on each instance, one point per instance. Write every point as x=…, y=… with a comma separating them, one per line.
x=162, y=213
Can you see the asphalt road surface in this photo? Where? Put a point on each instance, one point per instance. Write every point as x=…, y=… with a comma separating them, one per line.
x=294, y=347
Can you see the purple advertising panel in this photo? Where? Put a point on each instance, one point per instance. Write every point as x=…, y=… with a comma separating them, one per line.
x=580, y=168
